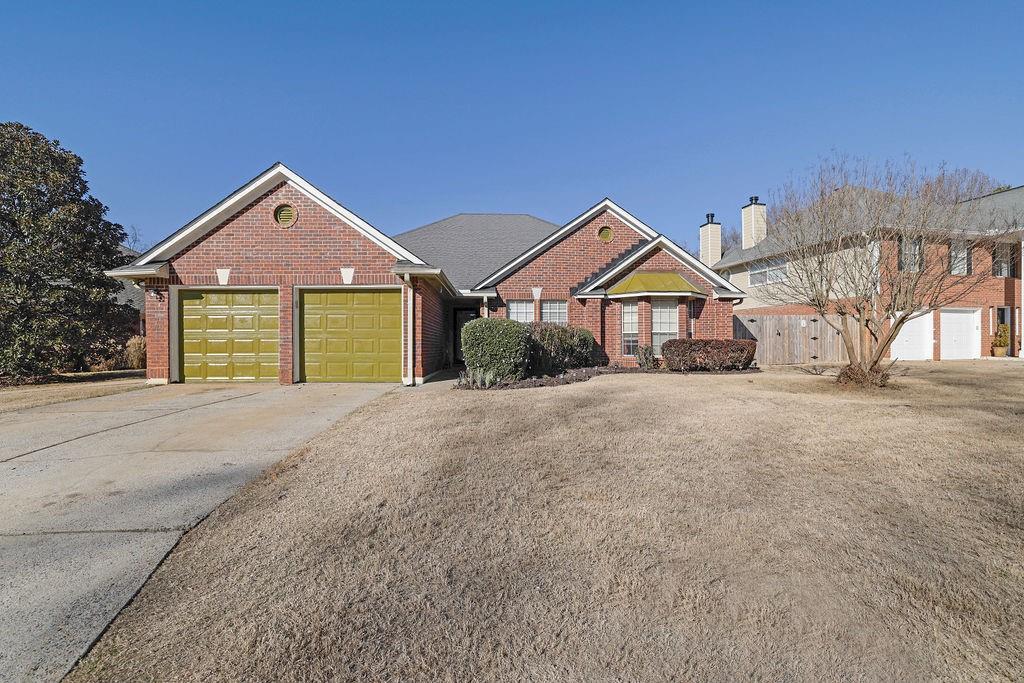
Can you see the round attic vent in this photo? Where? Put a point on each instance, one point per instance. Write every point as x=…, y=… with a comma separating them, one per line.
x=285, y=215
x=605, y=234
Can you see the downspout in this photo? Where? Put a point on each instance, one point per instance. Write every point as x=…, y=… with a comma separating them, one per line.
x=411, y=379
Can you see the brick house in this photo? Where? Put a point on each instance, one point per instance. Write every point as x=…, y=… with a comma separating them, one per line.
x=961, y=331
x=279, y=281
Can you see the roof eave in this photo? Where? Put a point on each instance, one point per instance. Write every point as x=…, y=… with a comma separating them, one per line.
x=139, y=272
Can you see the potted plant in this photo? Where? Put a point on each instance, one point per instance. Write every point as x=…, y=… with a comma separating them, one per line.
x=1001, y=341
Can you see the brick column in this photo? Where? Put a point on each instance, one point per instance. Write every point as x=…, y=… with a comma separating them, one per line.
x=158, y=352
x=643, y=319
x=683, y=313
x=284, y=331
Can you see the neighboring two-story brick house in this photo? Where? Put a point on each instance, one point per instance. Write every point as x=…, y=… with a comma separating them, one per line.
x=279, y=281
x=962, y=330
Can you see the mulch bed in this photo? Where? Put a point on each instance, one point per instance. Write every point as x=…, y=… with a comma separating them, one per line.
x=584, y=374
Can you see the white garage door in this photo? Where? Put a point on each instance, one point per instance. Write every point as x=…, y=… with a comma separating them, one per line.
x=915, y=341
x=960, y=335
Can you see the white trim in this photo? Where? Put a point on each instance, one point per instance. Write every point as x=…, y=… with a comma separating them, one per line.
x=261, y=184
x=133, y=272
x=407, y=292
x=674, y=250
x=663, y=295
x=542, y=246
x=297, y=342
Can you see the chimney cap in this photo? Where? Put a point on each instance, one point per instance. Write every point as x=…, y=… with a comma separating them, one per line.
x=710, y=218
x=754, y=199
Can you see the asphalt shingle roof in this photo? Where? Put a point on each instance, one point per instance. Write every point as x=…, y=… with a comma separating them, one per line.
x=996, y=207
x=470, y=246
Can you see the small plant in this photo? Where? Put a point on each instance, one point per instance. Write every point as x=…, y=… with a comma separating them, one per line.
x=135, y=353
x=474, y=378
x=1002, y=338
x=645, y=358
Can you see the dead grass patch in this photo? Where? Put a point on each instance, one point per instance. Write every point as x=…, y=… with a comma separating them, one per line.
x=633, y=527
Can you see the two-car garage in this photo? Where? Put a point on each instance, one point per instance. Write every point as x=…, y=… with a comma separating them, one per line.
x=959, y=336
x=342, y=335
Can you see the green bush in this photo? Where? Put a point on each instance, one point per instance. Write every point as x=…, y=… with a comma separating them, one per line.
x=557, y=348
x=1002, y=338
x=645, y=358
x=708, y=354
x=496, y=349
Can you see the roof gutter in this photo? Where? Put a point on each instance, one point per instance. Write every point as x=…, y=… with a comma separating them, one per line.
x=405, y=270
x=139, y=272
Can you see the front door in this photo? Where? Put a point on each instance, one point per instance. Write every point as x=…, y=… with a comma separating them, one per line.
x=462, y=316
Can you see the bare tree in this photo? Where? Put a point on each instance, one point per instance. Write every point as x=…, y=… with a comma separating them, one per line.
x=871, y=247
x=732, y=238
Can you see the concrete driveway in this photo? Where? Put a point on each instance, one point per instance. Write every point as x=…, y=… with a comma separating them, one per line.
x=94, y=493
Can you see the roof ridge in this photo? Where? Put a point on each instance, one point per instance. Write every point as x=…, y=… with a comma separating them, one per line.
x=470, y=213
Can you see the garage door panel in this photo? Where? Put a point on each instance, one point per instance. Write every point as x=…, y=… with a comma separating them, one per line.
x=348, y=342
x=960, y=335
x=339, y=346
x=229, y=335
x=915, y=340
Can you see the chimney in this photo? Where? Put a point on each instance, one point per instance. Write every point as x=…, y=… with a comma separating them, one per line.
x=755, y=222
x=711, y=241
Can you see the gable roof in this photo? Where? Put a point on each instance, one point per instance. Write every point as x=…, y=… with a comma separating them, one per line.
x=681, y=255
x=470, y=246
x=551, y=240
x=252, y=190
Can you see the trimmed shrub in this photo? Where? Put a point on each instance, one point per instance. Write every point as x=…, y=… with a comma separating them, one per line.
x=557, y=348
x=135, y=353
x=496, y=349
x=708, y=354
x=645, y=358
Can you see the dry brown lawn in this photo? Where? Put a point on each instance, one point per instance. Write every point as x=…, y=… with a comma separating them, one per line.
x=637, y=528
x=67, y=388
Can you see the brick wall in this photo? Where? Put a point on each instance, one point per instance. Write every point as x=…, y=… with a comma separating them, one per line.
x=582, y=255
x=987, y=295
x=260, y=252
x=431, y=338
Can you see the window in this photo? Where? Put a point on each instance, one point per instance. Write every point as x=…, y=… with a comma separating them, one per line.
x=960, y=258
x=768, y=272
x=554, y=312
x=521, y=311
x=1003, y=261
x=664, y=322
x=911, y=255
x=629, y=328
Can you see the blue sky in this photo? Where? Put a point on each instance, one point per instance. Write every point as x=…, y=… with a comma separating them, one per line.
x=409, y=112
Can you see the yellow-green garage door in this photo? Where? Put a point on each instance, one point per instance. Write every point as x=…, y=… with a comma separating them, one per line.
x=229, y=335
x=351, y=335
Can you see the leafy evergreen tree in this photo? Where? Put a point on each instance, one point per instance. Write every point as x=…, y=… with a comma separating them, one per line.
x=57, y=308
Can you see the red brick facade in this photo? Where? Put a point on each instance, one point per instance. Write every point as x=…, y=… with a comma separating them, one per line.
x=582, y=255
x=259, y=252
x=987, y=296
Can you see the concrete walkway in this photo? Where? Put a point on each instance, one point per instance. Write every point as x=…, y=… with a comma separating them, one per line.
x=94, y=493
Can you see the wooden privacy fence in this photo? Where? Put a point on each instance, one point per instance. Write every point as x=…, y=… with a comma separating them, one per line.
x=790, y=339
